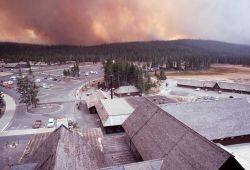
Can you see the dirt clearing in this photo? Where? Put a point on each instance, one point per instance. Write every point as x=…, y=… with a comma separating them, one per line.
x=2, y=74
x=235, y=73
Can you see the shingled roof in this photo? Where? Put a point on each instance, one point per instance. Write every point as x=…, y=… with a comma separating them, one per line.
x=156, y=134
x=145, y=165
x=210, y=84
x=113, y=112
x=196, y=83
x=126, y=89
x=234, y=86
x=65, y=149
x=214, y=119
x=157, y=99
x=93, y=98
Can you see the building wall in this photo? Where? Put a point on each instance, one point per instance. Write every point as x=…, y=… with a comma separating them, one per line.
x=133, y=148
x=235, y=91
x=126, y=94
x=215, y=88
x=186, y=86
x=113, y=129
x=231, y=164
x=92, y=110
x=233, y=140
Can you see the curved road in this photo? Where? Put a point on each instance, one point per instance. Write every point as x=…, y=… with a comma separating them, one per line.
x=9, y=112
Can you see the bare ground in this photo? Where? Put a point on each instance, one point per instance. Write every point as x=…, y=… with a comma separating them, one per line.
x=235, y=73
x=2, y=74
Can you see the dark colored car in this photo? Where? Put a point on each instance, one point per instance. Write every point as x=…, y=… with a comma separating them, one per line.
x=37, y=124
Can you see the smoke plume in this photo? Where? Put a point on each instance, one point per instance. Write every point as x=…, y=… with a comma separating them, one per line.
x=88, y=22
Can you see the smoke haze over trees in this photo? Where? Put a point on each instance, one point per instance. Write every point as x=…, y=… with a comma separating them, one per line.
x=178, y=54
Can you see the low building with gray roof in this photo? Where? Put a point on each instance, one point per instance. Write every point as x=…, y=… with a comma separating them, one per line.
x=234, y=87
x=123, y=91
x=113, y=112
x=215, y=85
x=195, y=83
x=216, y=120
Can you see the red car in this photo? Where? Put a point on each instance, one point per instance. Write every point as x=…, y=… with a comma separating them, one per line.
x=37, y=124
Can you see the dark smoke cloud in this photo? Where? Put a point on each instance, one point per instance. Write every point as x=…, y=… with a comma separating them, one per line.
x=87, y=22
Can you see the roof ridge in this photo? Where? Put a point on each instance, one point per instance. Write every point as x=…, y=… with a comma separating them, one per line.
x=206, y=101
x=190, y=130
x=146, y=121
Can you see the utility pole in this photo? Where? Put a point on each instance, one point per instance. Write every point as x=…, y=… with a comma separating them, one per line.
x=111, y=85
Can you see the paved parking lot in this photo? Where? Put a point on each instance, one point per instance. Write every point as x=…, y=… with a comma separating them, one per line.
x=192, y=94
x=60, y=93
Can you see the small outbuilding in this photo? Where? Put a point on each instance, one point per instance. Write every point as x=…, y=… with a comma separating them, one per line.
x=123, y=91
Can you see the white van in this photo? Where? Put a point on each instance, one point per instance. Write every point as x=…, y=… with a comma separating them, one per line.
x=51, y=123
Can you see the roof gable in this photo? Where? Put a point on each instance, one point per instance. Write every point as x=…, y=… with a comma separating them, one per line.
x=156, y=134
x=65, y=149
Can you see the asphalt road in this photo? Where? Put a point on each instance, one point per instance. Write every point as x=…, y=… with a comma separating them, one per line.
x=60, y=93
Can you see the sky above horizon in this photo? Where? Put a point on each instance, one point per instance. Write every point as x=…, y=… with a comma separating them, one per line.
x=90, y=22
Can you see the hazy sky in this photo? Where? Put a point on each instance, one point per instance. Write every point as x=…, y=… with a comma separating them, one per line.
x=88, y=22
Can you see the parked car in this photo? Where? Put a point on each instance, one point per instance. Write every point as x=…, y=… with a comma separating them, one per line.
x=37, y=124
x=197, y=89
x=38, y=80
x=51, y=123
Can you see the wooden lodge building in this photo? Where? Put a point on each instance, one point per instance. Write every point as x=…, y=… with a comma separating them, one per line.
x=212, y=85
x=158, y=135
x=153, y=133
x=113, y=112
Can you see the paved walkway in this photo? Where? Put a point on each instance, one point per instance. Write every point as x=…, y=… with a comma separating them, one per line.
x=9, y=112
x=26, y=132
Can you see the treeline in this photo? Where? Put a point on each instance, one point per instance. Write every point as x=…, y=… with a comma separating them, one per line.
x=179, y=54
x=73, y=71
x=122, y=73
